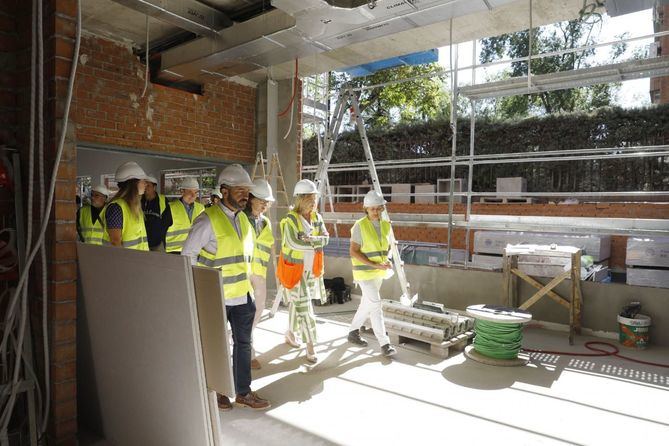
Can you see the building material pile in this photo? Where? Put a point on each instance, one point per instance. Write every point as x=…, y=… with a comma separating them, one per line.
x=648, y=261
x=439, y=330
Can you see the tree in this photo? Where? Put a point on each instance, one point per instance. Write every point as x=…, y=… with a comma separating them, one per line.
x=416, y=100
x=561, y=36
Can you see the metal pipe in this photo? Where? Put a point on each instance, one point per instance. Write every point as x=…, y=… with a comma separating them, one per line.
x=454, y=129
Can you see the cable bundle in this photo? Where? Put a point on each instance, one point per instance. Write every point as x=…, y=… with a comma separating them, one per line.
x=498, y=340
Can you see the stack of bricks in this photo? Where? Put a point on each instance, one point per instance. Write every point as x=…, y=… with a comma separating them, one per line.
x=439, y=235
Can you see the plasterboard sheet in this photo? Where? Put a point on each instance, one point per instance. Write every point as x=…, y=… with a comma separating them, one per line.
x=213, y=330
x=648, y=251
x=145, y=347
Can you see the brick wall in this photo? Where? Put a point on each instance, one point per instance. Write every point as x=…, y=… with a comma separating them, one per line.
x=661, y=84
x=109, y=110
x=438, y=235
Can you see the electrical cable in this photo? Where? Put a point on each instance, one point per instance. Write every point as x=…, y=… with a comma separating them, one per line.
x=6, y=415
x=497, y=340
x=146, y=58
x=7, y=401
x=294, y=91
x=42, y=198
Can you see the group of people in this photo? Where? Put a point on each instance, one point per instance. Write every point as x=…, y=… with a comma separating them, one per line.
x=234, y=235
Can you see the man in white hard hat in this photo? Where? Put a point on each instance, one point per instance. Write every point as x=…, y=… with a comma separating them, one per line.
x=184, y=212
x=260, y=198
x=370, y=243
x=157, y=215
x=89, y=224
x=233, y=259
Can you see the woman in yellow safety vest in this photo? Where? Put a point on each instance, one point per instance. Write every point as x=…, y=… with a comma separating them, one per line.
x=123, y=218
x=260, y=198
x=300, y=268
x=89, y=223
x=370, y=242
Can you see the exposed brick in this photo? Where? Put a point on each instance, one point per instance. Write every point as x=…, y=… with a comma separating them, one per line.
x=63, y=332
x=62, y=353
x=64, y=410
x=63, y=311
x=63, y=292
x=64, y=371
x=63, y=271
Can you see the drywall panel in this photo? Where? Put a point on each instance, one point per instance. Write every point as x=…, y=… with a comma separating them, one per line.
x=213, y=330
x=145, y=347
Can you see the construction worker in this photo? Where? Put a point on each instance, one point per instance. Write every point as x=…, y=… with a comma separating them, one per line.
x=370, y=243
x=157, y=215
x=223, y=238
x=122, y=217
x=300, y=268
x=184, y=211
x=89, y=224
x=260, y=198
x=214, y=199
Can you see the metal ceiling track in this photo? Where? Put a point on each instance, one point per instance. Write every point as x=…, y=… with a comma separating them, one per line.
x=618, y=72
x=190, y=15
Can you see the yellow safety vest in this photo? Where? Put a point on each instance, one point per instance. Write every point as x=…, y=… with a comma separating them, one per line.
x=263, y=249
x=373, y=247
x=133, y=234
x=178, y=232
x=91, y=232
x=233, y=256
x=293, y=219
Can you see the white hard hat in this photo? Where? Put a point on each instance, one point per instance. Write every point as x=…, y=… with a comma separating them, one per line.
x=101, y=189
x=215, y=194
x=234, y=175
x=189, y=183
x=261, y=189
x=373, y=198
x=305, y=187
x=129, y=171
x=152, y=179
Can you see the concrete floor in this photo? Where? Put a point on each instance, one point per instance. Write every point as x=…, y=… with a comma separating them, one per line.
x=354, y=396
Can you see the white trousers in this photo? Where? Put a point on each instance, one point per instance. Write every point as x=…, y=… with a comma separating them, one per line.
x=370, y=306
x=259, y=285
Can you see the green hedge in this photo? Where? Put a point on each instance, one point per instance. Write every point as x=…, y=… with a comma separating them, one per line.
x=608, y=127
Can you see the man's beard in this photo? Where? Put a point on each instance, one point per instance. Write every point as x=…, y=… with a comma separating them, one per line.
x=238, y=205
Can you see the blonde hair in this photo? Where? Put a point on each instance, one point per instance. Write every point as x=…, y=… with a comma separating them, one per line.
x=128, y=192
x=300, y=203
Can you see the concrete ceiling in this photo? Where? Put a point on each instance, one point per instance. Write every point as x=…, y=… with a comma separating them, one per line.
x=113, y=20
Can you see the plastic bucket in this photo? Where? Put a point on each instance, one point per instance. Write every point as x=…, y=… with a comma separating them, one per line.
x=635, y=332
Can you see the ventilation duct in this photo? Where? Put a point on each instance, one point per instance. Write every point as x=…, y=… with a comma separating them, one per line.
x=299, y=28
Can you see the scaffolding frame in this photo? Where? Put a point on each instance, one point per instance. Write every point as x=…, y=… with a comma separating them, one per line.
x=529, y=84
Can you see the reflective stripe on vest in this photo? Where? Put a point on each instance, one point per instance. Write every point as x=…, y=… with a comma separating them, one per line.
x=91, y=232
x=373, y=247
x=263, y=249
x=133, y=234
x=178, y=232
x=233, y=255
x=294, y=220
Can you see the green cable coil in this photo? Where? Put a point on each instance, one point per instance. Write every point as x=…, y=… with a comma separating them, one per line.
x=497, y=340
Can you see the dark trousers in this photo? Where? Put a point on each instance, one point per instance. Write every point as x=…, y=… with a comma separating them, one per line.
x=240, y=318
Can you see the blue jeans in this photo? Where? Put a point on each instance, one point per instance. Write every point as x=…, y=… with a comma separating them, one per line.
x=240, y=318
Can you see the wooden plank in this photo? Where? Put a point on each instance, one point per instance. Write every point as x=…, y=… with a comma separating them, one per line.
x=538, y=285
x=145, y=347
x=575, y=291
x=546, y=288
x=213, y=330
x=506, y=277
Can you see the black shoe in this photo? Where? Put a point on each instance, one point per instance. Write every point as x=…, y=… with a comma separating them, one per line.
x=354, y=338
x=388, y=350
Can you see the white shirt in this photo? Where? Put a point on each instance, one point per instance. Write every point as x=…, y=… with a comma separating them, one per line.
x=201, y=236
x=308, y=254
